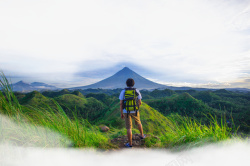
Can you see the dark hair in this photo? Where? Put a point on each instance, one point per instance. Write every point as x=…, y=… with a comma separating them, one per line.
x=130, y=82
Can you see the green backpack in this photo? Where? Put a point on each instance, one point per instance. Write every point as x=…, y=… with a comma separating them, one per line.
x=130, y=103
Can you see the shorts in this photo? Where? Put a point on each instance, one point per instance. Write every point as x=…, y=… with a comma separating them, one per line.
x=128, y=120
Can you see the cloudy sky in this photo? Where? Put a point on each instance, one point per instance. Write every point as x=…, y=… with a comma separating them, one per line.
x=200, y=43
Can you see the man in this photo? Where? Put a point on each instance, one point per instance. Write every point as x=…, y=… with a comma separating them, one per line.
x=132, y=114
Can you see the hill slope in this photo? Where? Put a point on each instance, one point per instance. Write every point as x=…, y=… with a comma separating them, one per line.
x=87, y=108
x=152, y=120
x=183, y=104
x=35, y=99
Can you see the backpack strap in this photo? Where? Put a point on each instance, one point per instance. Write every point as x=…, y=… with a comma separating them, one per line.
x=126, y=101
x=137, y=94
x=135, y=107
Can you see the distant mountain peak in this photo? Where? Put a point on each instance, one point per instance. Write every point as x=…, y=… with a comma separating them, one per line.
x=125, y=69
x=22, y=83
x=126, y=73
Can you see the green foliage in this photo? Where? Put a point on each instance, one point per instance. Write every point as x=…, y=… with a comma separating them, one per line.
x=146, y=94
x=77, y=93
x=153, y=121
x=89, y=108
x=35, y=98
x=19, y=95
x=53, y=94
x=235, y=103
x=161, y=93
x=206, y=96
x=190, y=91
x=104, y=98
x=153, y=141
x=183, y=104
x=8, y=102
x=183, y=130
x=110, y=92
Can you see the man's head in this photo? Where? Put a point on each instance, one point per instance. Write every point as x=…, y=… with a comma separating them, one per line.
x=130, y=82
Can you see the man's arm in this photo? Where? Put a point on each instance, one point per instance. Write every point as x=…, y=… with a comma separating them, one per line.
x=139, y=97
x=139, y=102
x=121, y=109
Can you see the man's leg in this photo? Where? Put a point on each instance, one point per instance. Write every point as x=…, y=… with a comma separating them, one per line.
x=138, y=122
x=140, y=129
x=129, y=127
x=129, y=134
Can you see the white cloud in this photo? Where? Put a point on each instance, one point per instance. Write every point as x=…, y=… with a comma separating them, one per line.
x=181, y=40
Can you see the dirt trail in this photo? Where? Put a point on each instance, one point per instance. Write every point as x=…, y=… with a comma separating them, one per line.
x=136, y=141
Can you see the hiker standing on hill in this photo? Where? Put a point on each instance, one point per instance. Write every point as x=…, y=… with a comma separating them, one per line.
x=130, y=101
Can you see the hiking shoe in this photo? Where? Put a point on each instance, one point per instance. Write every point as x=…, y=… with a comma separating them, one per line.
x=144, y=136
x=128, y=145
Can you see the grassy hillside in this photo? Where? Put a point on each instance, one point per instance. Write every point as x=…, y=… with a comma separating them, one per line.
x=72, y=102
x=104, y=98
x=232, y=103
x=153, y=121
x=87, y=108
x=56, y=93
x=199, y=105
x=67, y=117
x=35, y=98
x=193, y=103
x=183, y=104
x=161, y=93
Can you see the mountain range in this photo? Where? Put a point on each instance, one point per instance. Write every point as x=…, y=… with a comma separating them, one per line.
x=118, y=80
x=22, y=86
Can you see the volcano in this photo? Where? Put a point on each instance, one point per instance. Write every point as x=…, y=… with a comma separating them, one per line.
x=118, y=80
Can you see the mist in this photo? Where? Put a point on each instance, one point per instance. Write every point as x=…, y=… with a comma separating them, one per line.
x=228, y=154
x=27, y=145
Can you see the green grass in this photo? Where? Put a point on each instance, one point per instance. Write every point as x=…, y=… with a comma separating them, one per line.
x=185, y=131
x=79, y=131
